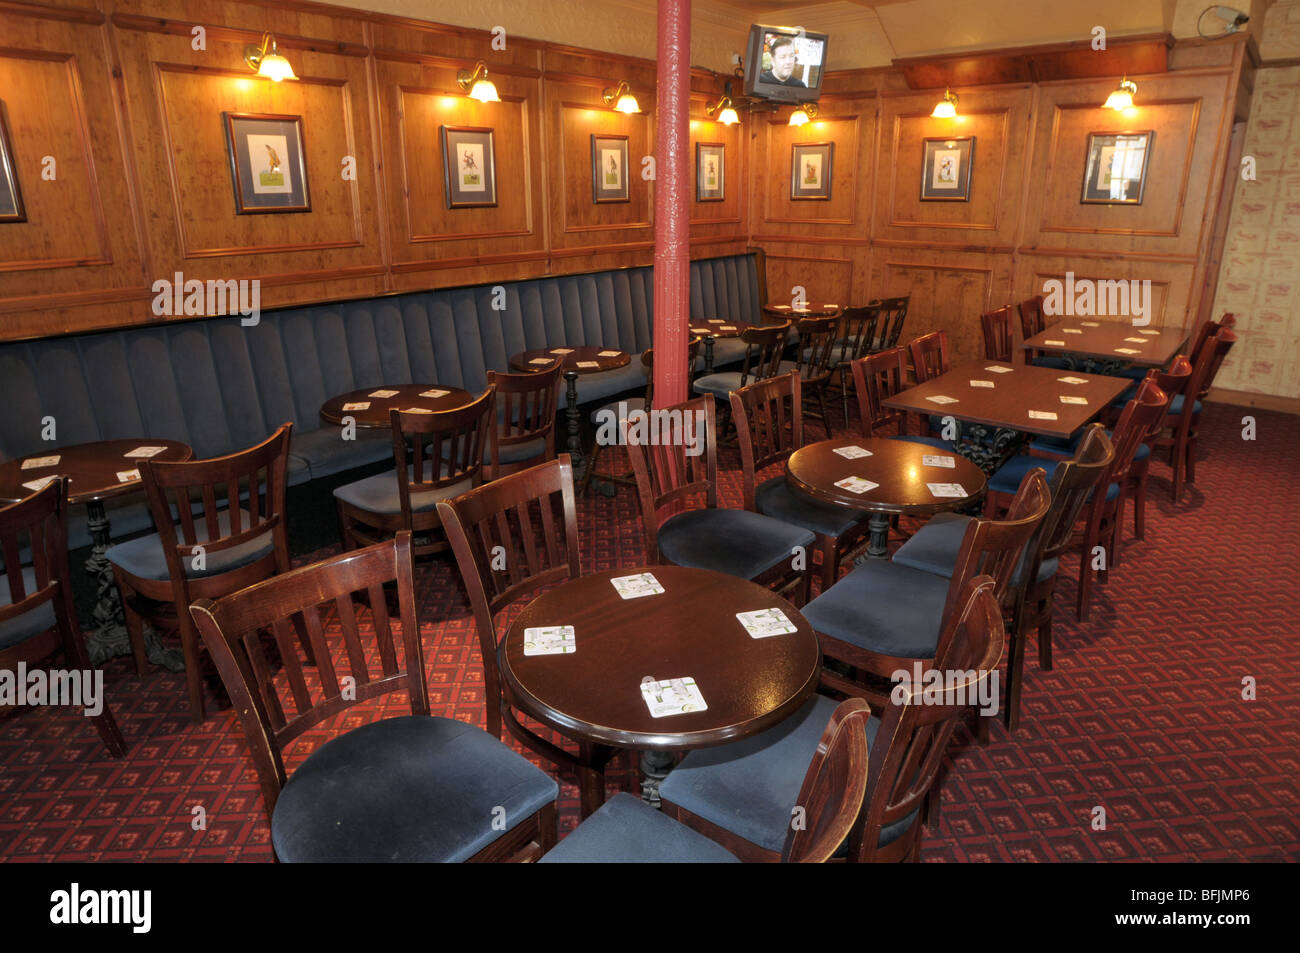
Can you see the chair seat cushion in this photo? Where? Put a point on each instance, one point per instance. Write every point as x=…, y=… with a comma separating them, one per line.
x=883, y=607
x=776, y=498
x=749, y=787
x=1008, y=476
x=726, y=351
x=605, y=384
x=325, y=451
x=409, y=789
x=737, y=542
x=32, y=622
x=935, y=546
x=379, y=493
x=143, y=557
x=1068, y=448
x=626, y=830
x=719, y=383
x=601, y=413
x=513, y=453
x=1176, y=406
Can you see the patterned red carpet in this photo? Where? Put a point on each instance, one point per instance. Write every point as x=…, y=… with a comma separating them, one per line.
x=1143, y=714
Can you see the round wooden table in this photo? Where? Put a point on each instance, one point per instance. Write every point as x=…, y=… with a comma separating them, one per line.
x=899, y=469
x=713, y=328
x=96, y=472
x=690, y=630
x=576, y=360
x=378, y=414
x=788, y=312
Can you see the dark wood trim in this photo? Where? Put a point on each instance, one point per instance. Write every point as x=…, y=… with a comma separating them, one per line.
x=47, y=12
x=289, y=41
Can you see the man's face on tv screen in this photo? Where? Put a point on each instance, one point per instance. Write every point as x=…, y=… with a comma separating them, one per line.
x=783, y=61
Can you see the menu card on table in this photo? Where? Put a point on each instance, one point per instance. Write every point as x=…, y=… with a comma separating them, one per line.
x=381, y=394
x=40, y=484
x=37, y=463
x=636, y=586
x=762, y=623
x=953, y=490
x=144, y=453
x=672, y=696
x=431, y=394
x=856, y=484
x=550, y=640
x=935, y=460
x=852, y=453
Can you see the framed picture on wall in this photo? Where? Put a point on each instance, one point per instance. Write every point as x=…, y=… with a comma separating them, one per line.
x=267, y=163
x=710, y=171
x=810, y=170
x=11, y=197
x=1115, y=172
x=609, y=173
x=469, y=166
x=946, y=169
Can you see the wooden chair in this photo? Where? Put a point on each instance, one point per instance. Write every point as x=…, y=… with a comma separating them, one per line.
x=525, y=430
x=876, y=378
x=740, y=795
x=1033, y=321
x=929, y=356
x=511, y=538
x=411, y=788
x=1184, y=410
x=599, y=415
x=206, y=546
x=769, y=424
x=999, y=339
x=829, y=799
x=1029, y=598
x=38, y=619
x=885, y=616
x=857, y=335
x=764, y=346
x=893, y=313
x=818, y=345
x=738, y=542
x=373, y=509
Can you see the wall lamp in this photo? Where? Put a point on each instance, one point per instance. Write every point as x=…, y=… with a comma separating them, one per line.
x=476, y=84
x=270, y=65
x=724, y=110
x=802, y=113
x=946, y=108
x=1122, y=96
x=621, y=98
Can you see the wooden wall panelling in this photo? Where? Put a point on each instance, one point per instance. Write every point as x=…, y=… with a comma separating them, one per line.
x=1173, y=283
x=827, y=273
x=718, y=228
x=79, y=245
x=176, y=96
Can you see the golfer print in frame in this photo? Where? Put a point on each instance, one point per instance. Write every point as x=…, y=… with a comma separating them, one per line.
x=609, y=173
x=946, y=170
x=469, y=166
x=1115, y=171
x=268, y=165
x=710, y=171
x=810, y=170
x=11, y=199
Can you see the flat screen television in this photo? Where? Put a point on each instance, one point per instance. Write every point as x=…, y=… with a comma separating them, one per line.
x=784, y=64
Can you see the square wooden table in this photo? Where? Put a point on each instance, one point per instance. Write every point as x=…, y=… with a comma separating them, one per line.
x=1000, y=415
x=1112, y=343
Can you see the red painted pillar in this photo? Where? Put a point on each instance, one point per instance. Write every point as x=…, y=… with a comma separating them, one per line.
x=672, y=304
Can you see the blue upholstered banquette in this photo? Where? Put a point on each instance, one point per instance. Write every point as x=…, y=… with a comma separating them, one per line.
x=221, y=387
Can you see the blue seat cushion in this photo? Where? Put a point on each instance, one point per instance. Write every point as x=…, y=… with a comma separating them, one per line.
x=777, y=499
x=883, y=607
x=737, y=542
x=1059, y=363
x=1008, y=476
x=409, y=789
x=1068, y=448
x=935, y=546
x=750, y=787
x=1176, y=406
x=626, y=830
x=143, y=557
x=605, y=384
x=515, y=452
x=719, y=383
x=600, y=414
x=379, y=493
x=32, y=622
x=726, y=351
x=324, y=451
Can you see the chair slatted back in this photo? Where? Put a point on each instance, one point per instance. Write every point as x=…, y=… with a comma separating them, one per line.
x=1223, y=342
x=215, y=486
x=38, y=522
x=858, y=331
x=273, y=711
x=769, y=425
x=1139, y=418
x=526, y=408
x=647, y=361
x=511, y=538
x=1072, y=483
x=929, y=355
x=1031, y=317
x=893, y=312
x=817, y=345
x=449, y=444
x=833, y=787
x=668, y=473
x=764, y=345
x=999, y=338
x=876, y=378
x=917, y=724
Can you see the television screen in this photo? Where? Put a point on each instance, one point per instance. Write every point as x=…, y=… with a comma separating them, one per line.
x=784, y=63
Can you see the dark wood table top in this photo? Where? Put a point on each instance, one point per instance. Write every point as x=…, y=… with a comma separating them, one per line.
x=789, y=312
x=1110, y=341
x=719, y=327
x=378, y=413
x=899, y=468
x=1015, y=393
x=573, y=357
x=688, y=631
x=92, y=469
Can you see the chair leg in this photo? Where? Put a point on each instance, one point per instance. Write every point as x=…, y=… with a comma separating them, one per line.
x=830, y=561
x=1191, y=460
x=1045, y=643
x=1085, y=582
x=1140, y=504
x=134, y=624
x=826, y=417
x=345, y=531
x=193, y=678
x=591, y=469
x=1015, y=676
x=1117, y=530
x=109, y=733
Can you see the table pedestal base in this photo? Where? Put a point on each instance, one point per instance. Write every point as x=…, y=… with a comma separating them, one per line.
x=574, y=443
x=878, y=548
x=655, y=766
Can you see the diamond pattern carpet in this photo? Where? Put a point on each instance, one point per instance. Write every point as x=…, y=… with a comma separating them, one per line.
x=1142, y=715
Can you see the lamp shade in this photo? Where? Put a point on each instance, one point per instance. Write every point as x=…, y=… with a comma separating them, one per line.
x=728, y=116
x=1122, y=96
x=627, y=104
x=485, y=91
